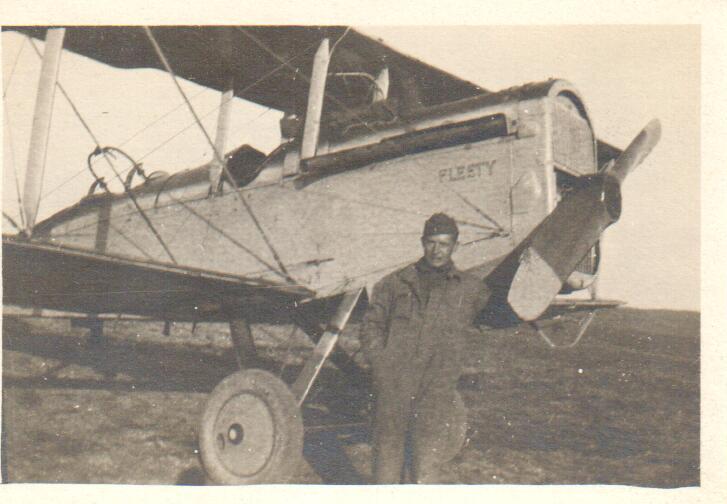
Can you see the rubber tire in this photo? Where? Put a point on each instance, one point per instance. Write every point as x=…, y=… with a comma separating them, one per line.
x=287, y=450
x=457, y=432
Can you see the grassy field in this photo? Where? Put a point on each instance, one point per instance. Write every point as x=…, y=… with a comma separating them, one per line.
x=620, y=408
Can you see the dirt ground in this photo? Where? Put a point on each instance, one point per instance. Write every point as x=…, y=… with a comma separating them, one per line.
x=620, y=408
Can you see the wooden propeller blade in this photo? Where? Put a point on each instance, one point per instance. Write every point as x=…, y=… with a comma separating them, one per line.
x=636, y=152
x=560, y=242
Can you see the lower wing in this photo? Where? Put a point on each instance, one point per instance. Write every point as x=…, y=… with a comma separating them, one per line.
x=42, y=275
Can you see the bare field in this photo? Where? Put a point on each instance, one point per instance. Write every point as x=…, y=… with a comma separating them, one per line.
x=620, y=408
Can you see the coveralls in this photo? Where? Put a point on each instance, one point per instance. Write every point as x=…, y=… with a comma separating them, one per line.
x=413, y=335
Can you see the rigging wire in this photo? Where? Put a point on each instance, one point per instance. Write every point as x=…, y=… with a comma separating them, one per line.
x=493, y=232
x=80, y=117
x=104, y=152
x=284, y=63
x=499, y=228
x=164, y=142
x=15, y=224
x=272, y=53
x=8, y=128
x=70, y=102
x=287, y=63
x=232, y=240
x=210, y=224
x=217, y=155
x=6, y=86
x=297, y=71
x=163, y=116
x=194, y=123
x=358, y=118
x=130, y=241
x=84, y=169
x=335, y=44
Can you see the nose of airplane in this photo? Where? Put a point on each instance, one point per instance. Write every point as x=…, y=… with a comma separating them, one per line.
x=559, y=242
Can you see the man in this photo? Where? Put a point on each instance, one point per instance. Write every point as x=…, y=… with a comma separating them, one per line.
x=413, y=336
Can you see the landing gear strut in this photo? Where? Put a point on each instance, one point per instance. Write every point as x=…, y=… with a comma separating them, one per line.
x=94, y=326
x=243, y=342
x=252, y=427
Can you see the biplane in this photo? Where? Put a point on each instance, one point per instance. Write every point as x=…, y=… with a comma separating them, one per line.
x=373, y=142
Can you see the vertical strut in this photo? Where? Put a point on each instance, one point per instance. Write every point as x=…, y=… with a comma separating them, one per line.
x=223, y=124
x=381, y=90
x=316, y=93
x=243, y=343
x=41, y=123
x=325, y=346
x=163, y=59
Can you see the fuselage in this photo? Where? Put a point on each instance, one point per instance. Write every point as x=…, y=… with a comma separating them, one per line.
x=350, y=219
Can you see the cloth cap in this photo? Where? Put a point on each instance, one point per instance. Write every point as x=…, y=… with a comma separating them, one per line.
x=440, y=223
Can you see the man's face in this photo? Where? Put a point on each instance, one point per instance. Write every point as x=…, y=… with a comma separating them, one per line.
x=438, y=249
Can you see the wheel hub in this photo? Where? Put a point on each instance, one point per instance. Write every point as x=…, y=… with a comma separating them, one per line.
x=245, y=434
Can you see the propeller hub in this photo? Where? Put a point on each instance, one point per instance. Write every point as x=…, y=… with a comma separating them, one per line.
x=611, y=197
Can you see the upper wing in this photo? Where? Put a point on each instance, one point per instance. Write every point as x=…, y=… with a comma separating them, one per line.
x=269, y=65
x=69, y=279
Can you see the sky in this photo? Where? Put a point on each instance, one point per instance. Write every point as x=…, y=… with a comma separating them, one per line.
x=626, y=74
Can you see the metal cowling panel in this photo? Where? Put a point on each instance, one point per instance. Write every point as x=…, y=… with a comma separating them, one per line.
x=573, y=148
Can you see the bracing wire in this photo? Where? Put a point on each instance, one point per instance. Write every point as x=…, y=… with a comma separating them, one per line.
x=272, y=53
x=6, y=86
x=8, y=128
x=194, y=123
x=175, y=135
x=105, y=154
x=287, y=63
x=284, y=64
x=348, y=199
x=163, y=143
x=162, y=116
x=12, y=221
x=231, y=239
x=354, y=114
x=340, y=39
x=217, y=155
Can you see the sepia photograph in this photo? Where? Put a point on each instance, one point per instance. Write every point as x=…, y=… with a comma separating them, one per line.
x=351, y=255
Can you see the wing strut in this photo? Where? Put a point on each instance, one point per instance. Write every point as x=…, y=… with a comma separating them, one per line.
x=315, y=101
x=41, y=124
x=223, y=124
x=104, y=152
x=218, y=157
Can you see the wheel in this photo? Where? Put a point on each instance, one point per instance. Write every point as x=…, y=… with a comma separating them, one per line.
x=456, y=427
x=251, y=430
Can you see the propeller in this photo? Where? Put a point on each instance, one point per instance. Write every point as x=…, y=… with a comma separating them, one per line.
x=557, y=244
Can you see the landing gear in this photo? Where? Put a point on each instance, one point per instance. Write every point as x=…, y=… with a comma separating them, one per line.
x=583, y=324
x=252, y=427
x=243, y=343
x=251, y=430
x=94, y=326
